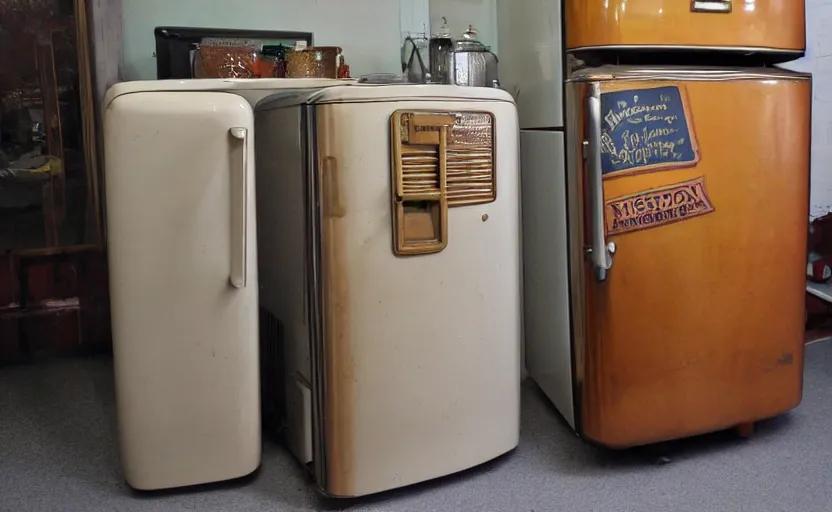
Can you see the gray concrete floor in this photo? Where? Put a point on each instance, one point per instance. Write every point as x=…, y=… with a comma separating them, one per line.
x=58, y=452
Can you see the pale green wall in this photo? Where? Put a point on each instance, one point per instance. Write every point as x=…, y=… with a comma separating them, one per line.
x=367, y=30
x=482, y=14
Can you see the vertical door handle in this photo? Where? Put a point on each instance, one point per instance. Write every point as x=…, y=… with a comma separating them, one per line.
x=715, y=6
x=333, y=200
x=599, y=251
x=239, y=208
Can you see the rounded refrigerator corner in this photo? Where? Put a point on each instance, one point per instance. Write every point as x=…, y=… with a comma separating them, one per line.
x=147, y=485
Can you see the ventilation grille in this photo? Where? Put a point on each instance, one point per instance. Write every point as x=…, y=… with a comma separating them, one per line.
x=272, y=369
x=420, y=169
x=471, y=174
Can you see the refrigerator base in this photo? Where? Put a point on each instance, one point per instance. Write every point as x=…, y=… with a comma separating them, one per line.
x=744, y=430
x=323, y=492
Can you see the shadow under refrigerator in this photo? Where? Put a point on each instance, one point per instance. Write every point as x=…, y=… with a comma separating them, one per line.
x=389, y=257
x=664, y=252
x=183, y=277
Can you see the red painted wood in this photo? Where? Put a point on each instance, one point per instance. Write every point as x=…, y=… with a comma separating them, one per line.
x=49, y=278
x=64, y=307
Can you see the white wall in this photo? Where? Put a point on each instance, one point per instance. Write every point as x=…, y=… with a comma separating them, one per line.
x=818, y=61
x=367, y=30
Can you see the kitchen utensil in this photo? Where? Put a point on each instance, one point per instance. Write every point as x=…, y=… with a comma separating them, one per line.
x=474, y=63
x=441, y=55
x=415, y=64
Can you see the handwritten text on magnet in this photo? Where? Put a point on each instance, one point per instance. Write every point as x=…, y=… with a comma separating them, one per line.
x=644, y=130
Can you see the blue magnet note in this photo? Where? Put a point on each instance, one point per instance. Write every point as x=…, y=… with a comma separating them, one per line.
x=645, y=130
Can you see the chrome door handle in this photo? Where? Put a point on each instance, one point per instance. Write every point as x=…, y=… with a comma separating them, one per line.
x=239, y=210
x=599, y=251
x=714, y=6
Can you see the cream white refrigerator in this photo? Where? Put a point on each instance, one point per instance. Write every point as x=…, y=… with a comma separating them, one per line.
x=389, y=250
x=183, y=276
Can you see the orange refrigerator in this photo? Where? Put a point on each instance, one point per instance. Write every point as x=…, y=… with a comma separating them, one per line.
x=665, y=210
x=687, y=193
x=774, y=28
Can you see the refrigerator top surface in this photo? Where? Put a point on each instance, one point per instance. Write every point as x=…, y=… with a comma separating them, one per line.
x=373, y=93
x=220, y=85
x=603, y=73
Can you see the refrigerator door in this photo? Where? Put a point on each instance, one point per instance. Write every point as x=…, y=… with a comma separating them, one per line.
x=183, y=286
x=776, y=26
x=694, y=195
x=419, y=365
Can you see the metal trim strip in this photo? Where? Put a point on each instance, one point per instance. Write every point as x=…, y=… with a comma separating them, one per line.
x=315, y=294
x=635, y=73
x=575, y=229
x=734, y=49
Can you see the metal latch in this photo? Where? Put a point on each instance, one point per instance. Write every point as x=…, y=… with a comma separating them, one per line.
x=420, y=182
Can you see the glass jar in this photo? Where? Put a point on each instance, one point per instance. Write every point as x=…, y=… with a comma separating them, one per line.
x=442, y=55
x=227, y=58
x=314, y=62
x=276, y=57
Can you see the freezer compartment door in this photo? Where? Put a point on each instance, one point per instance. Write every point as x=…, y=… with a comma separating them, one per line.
x=743, y=26
x=548, y=347
x=183, y=284
x=694, y=229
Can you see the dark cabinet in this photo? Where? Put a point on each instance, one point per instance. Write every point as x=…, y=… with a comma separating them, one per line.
x=53, y=271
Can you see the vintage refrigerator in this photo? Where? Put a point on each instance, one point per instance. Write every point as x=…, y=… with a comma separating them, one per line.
x=390, y=267
x=183, y=276
x=663, y=295
x=774, y=28
x=688, y=204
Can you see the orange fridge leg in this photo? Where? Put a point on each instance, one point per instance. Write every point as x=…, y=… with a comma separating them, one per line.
x=745, y=430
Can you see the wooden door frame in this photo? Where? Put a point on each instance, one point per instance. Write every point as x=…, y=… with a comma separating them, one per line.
x=105, y=32
x=99, y=41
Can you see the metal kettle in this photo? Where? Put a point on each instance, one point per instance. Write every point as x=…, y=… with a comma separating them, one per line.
x=474, y=63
